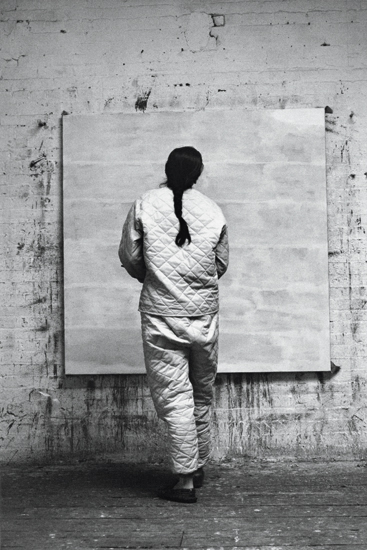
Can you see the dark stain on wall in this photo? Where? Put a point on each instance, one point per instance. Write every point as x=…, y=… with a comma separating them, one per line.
x=42, y=170
x=344, y=154
x=43, y=328
x=142, y=101
x=108, y=102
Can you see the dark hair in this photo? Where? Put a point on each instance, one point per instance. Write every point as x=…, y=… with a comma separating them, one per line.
x=183, y=168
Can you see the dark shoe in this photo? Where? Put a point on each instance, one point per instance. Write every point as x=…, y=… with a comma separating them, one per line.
x=199, y=478
x=187, y=496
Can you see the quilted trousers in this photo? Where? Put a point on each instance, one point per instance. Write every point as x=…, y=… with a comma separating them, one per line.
x=181, y=355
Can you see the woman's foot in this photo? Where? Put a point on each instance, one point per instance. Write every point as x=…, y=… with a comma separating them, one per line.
x=186, y=496
x=185, y=482
x=183, y=491
x=198, y=478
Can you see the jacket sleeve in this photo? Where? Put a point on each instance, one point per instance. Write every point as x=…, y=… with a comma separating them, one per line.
x=131, y=245
x=222, y=253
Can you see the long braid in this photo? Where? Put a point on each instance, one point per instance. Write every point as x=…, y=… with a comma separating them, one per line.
x=184, y=232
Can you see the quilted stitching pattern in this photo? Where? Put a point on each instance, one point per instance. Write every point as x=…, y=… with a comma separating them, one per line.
x=179, y=281
x=181, y=362
x=178, y=304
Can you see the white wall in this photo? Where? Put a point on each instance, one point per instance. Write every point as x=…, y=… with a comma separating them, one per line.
x=111, y=56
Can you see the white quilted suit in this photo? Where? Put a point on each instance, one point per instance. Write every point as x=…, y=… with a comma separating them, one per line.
x=179, y=311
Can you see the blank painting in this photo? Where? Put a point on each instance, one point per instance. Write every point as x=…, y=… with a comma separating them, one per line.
x=266, y=169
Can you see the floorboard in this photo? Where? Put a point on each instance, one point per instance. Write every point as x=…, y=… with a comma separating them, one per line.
x=242, y=506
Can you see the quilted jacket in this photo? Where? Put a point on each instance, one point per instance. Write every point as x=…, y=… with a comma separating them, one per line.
x=177, y=281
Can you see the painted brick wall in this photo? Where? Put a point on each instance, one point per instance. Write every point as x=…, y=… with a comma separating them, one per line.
x=96, y=56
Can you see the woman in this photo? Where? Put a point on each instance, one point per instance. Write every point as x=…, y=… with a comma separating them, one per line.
x=174, y=241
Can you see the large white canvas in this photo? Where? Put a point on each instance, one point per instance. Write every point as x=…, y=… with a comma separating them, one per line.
x=266, y=169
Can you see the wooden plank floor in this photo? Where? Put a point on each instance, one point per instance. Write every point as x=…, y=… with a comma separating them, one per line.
x=243, y=506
